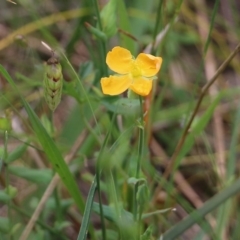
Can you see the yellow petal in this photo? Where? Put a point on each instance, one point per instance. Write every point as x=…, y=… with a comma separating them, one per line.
x=148, y=64
x=141, y=86
x=115, y=85
x=119, y=60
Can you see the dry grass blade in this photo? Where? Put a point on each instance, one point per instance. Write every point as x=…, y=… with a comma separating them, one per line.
x=44, y=22
x=203, y=93
x=182, y=184
x=210, y=69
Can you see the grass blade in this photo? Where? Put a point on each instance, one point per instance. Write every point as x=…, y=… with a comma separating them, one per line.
x=49, y=147
x=124, y=24
x=86, y=216
x=197, y=215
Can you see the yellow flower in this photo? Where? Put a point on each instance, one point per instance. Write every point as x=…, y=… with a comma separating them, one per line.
x=135, y=74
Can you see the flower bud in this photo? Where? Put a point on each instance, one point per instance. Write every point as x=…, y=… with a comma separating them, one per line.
x=53, y=82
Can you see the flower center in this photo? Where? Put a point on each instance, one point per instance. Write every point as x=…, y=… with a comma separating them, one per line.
x=135, y=71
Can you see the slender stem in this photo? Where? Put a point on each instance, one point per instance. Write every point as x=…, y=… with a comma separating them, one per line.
x=203, y=93
x=98, y=173
x=141, y=139
x=140, y=211
x=157, y=24
x=140, y=151
x=103, y=50
x=58, y=205
x=95, y=4
x=52, y=125
x=55, y=193
x=5, y=155
x=114, y=194
x=215, y=9
x=140, y=155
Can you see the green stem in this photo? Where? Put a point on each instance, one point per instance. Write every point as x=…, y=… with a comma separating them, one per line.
x=55, y=193
x=58, y=205
x=140, y=212
x=5, y=155
x=51, y=123
x=98, y=173
x=114, y=195
x=140, y=155
x=141, y=139
x=215, y=9
x=102, y=49
x=140, y=151
x=95, y=4
x=157, y=24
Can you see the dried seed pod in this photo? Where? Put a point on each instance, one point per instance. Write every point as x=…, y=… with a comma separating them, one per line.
x=53, y=82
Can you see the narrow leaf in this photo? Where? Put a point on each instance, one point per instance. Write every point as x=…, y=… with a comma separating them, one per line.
x=87, y=212
x=4, y=197
x=49, y=147
x=124, y=24
x=16, y=153
x=4, y=225
x=34, y=175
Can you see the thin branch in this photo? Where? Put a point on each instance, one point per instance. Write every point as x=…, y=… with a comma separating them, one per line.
x=203, y=92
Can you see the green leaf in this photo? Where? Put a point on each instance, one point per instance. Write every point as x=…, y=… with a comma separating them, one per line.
x=147, y=215
x=87, y=212
x=7, y=194
x=124, y=106
x=110, y=213
x=4, y=197
x=135, y=181
x=1, y=154
x=64, y=204
x=5, y=124
x=96, y=32
x=11, y=191
x=16, y=153
x=49, y=148
x=59, y=226
x=147, y=235
x=109, y=18
x=123, y=220
x=33, y=175
x=142, y=195
x=124, y=24
x=4, y=225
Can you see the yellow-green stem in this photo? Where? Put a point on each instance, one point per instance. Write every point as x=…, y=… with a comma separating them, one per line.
x=157, y=24
x=140, y=155
x=55, y=193
x=102, y=43
x=141, y=139
x=5, y=156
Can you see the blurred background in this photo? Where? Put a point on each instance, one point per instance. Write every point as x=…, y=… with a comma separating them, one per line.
x=194, y=38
